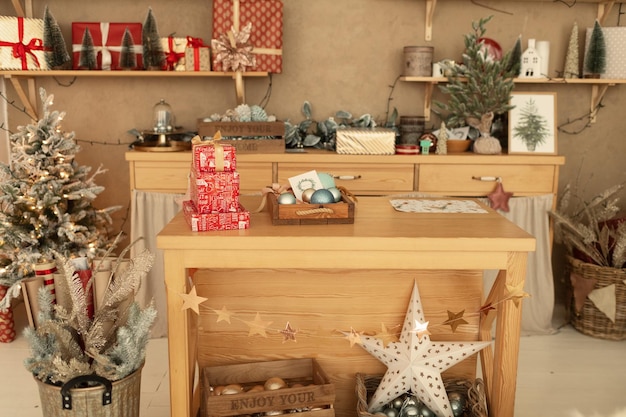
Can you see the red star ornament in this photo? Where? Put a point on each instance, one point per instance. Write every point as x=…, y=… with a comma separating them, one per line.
x=499, y=199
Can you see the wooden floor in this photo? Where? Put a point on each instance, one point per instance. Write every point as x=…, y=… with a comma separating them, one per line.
x=562, y=375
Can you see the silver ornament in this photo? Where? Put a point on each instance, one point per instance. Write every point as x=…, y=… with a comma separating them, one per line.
x=336, y=193
x=286, y=198
x=426, y=412
x=391, y=412
x=397, y=403
x=306, y=194
x=409, y=411
x=322, y=197
x=457, y=403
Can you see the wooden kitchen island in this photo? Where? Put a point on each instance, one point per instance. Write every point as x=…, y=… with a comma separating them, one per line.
x=324, y=280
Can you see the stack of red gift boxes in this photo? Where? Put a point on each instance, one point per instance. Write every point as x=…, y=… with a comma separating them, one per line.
x=214, y=189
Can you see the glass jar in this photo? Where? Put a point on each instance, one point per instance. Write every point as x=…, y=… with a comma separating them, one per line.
x=163, y=120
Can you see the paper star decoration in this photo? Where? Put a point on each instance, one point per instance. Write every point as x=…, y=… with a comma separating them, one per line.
x=385, y=336
x=354, y=337
x=289, y=333
x=421, y=329
x=223, y=315
x=416, y=364
x=234, y=50
x=455, y=320
x=192, y=300
x=516, y=293
x=499, y=199
x=258, y=326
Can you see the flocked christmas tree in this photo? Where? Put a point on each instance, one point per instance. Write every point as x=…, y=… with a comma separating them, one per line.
x=532, y=128
x=57, y=56
x=46, y=201
x=595, y=58
x=153, y=55
x=571, y=57
x=87, y=55
x=128, y=57
x=515, y=63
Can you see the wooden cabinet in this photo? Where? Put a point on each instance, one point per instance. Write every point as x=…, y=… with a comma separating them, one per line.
x=456, y=174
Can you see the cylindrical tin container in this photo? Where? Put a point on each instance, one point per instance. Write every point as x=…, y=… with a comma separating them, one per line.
x=418, y=61
x=411, y=128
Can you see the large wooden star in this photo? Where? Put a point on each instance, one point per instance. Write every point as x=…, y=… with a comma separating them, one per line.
x=192, y=300
x=499, y=199
x=415, y=363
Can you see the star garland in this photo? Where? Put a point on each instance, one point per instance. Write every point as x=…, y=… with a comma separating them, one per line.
x=234, y=50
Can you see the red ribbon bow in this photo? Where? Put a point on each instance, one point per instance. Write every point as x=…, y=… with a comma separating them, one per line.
x=196, y=44
x=22, y=50
x=172, y=57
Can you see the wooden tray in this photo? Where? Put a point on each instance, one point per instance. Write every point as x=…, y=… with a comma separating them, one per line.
x=301, y=214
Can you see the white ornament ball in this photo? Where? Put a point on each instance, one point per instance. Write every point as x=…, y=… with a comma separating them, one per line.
x=306, y=194
x=336, y=194
x=322, y=197
x=286, y=198
x=326, y=179
x=275, y=383
x=232, y=389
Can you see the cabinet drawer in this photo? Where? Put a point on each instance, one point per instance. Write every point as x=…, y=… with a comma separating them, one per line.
x=171, y=177
x=365, y=179
x=458, y=179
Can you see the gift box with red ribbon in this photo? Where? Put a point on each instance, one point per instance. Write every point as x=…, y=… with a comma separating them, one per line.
x=214, y=192
x=197, y=55
x=266, y=17
x=107, y=41
x=174, y=49
x=239, y=219
x=21, y=44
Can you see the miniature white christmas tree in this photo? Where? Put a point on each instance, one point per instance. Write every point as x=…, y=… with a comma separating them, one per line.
x=46, y=201
x=571, y=58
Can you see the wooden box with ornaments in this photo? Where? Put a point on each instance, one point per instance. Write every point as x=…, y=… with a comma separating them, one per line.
x=267, y=388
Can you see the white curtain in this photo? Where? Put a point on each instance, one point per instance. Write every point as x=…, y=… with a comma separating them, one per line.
x=150, y=212
x=531, y=214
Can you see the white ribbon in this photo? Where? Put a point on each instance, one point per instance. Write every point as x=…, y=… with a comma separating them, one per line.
x=105, y=50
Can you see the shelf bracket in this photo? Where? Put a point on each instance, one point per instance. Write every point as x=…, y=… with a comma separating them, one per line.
x=597, y=94
x=604, y=8
x=27, y=99
x=428, y=94
x=430, y=11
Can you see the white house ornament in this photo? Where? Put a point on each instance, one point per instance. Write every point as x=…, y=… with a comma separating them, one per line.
x=415, y=363
x=531, y=62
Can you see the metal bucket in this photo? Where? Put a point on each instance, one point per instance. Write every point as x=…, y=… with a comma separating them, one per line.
x=107, y=399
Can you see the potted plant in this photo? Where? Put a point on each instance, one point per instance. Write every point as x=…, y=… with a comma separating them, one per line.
x=594, y=236
x=92, y=357
x=479, y=89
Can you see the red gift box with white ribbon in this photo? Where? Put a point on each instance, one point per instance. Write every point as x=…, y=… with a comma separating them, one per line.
x=107, y=40
x=266, y=17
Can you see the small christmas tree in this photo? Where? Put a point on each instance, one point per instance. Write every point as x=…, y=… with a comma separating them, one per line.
x=57, y=56
x=532, y=128
x=595, y=59
x=571, y=57
x=87, y=56
x=128, y=57
x=515, y=64
x=153, y=55
x=46, y=201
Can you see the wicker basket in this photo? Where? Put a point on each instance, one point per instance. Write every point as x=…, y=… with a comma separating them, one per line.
x=591, y=321
x=475, y=391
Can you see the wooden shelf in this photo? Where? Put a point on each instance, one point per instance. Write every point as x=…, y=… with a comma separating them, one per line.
x=599, y=87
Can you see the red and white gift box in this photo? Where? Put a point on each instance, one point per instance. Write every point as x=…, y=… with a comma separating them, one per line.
x=174, y=49
x=197, y=55
x=239, y=219
x=266, y=17
x=214, y=157
x=21, y=44
x=107, y=39
x=214, y=192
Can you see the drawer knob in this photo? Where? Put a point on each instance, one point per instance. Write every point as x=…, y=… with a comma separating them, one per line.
x=498, y=179
x=346, y=177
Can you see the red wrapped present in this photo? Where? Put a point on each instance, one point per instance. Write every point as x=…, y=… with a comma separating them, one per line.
x=214, y=192
x=21, y=44
x=107, y=41
x=212, y=156
x=239, y=219
x=197, y=55
x=266, y=17
x=174, y=49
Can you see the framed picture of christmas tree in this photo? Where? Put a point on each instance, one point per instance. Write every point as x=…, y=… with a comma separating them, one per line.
x=532, y=123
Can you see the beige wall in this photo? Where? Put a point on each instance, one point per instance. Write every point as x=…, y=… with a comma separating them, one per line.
x=339, y=55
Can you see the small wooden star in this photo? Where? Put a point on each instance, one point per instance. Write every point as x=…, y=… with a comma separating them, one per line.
x=516, y=293
x=258, y=326
x=499, y=199
x=385, y=336
x=486, y=308
x=192, y=300
x=289, y=333
x=223, y=315
x=455, y=320
x=353, y=337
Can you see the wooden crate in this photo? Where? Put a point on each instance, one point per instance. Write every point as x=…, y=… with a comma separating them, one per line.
x=303, y=213
x=315, y=396
x=247, y=137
